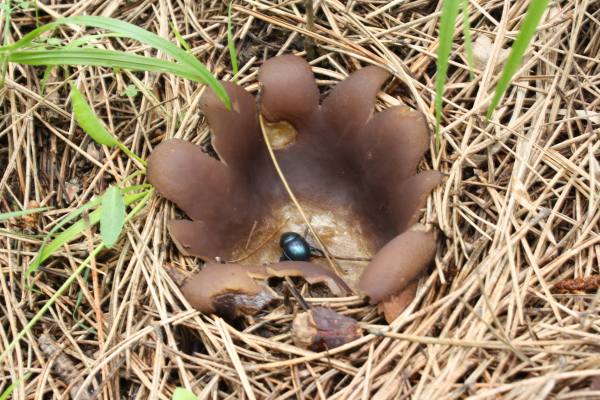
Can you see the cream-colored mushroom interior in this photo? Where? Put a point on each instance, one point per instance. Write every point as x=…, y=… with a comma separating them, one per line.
x=346, y=238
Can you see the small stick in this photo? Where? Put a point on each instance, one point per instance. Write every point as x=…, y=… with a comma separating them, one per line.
x=305, y=306
x=309, y=43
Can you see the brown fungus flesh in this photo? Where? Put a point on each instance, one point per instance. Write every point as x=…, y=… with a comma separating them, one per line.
x=233, y=289
x=353, y=172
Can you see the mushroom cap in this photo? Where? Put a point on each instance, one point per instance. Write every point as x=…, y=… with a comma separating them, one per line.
x=345, y=165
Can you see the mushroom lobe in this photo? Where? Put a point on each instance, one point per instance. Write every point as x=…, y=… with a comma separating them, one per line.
x=397, y=264
x=224, y=288
x=231, y=290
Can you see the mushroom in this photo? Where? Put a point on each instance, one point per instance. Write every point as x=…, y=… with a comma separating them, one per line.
x=352, y=171
x=232, y=290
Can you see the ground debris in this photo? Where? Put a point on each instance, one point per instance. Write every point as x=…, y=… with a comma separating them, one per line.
x=585, y=284
x=62, y=366
x=322, y=328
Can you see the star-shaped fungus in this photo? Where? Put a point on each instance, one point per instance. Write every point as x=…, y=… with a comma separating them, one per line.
x=352, y=171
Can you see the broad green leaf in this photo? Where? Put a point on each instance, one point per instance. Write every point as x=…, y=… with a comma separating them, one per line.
x=183, y=394
x=100, y=58
x=534, y=14
x=16, y=214
x=112, y=216
x=88, y=120
x=231, y=43
x=467, y=38
x=447, y=22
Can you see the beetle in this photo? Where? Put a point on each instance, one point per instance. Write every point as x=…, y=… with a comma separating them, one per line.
x=296, y=248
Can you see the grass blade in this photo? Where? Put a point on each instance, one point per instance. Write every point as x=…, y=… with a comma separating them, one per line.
x=467, y=38
x=101, y=58
x=534, y=14
x=231, y=43
x=59, y=292
x=88, y=120
x=16, y=214
x=190, y=62
x=447, y=22
x=112, y=216
x=180, y=38
x=6, y=394
x=72, y=232
x=183, y=394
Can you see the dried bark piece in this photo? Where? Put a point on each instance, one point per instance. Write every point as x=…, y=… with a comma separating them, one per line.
x=323, y=329
x=588, y=283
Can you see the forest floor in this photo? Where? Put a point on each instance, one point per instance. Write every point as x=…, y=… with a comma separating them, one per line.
x=516, y=217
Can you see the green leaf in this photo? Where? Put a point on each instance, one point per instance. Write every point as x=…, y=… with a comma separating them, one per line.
x=231, y=43
x=67, y=283
x=5, y=395
x=130, y=91
x=112, y=218
x=447, y=22
x=74, y=231
x=467, y=38
x=88, y=120
x=183, y=394
x=16, y=214
x=534, y=14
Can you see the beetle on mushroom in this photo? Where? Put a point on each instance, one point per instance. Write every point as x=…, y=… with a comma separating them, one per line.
x=353, y=172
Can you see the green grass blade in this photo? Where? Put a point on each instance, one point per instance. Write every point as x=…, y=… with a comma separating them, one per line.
x=231, y=43
x=16, y=214
x=73, y=232
x=6, y=394
x=72, y=277
x=183, y=394
x=534, y=14
x=180, y=38
x=88, y=120
x=112, y=218
x=159, y=43
x=28, y=38
x=447, y=22
x=201, y=73
x=101, y=58
x=468, y=39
